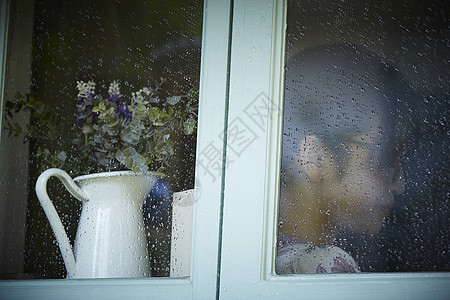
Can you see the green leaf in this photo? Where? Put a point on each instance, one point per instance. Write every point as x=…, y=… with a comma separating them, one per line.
x=158, y=123
x=100, y=107
x=17, y=129
x=62, y=156
x=189, y=125
x=173, y=100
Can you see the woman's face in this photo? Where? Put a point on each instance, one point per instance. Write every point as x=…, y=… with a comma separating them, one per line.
x=364, y=196
x=349, y=100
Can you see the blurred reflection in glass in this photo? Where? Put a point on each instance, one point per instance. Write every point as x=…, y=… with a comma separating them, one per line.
x=344, y=132
x=411, y=232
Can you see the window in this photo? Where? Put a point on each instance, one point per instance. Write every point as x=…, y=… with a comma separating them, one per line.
x=364, y=107
x=252, y=186
x=124, y=53
x=202, y=281
x=236, y=215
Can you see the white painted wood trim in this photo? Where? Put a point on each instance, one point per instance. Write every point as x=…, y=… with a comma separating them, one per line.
x=202, y=282
x=251, y=190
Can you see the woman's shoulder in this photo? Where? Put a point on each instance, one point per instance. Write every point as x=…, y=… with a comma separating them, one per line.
x=297, y=257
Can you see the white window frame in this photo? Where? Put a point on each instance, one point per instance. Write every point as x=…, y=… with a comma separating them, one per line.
x=252, y=183
x=212, y=108
x=234, y=231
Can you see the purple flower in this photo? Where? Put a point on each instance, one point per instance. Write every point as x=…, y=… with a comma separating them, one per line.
x=125, y=112
x=84, y=113
x=114, y=98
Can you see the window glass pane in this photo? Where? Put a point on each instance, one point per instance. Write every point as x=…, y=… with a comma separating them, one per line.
x=364, y=178
x=101, y=86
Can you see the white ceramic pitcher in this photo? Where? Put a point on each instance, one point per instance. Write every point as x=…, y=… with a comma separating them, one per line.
x=110, y=240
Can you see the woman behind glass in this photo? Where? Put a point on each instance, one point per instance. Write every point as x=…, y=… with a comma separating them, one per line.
x=344, y=133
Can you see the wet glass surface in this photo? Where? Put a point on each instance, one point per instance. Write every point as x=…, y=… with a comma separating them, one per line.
x=136, y=53
x=364, y=178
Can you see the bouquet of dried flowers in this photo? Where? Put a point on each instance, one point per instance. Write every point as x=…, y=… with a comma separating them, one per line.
x=107, y=133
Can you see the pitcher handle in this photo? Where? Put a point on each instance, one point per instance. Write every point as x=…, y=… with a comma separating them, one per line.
x=52, y=215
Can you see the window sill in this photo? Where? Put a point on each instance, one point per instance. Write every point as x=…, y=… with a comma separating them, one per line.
x=156, y=287
x=364, y=285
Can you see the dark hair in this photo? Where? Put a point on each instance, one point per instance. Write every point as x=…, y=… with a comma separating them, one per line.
x=338, y=92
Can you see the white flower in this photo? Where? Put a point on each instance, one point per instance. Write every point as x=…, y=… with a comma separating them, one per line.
x=146, y=90
x=85, y=89
x=154, y=100
x=137, y=96
x=114, y=88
